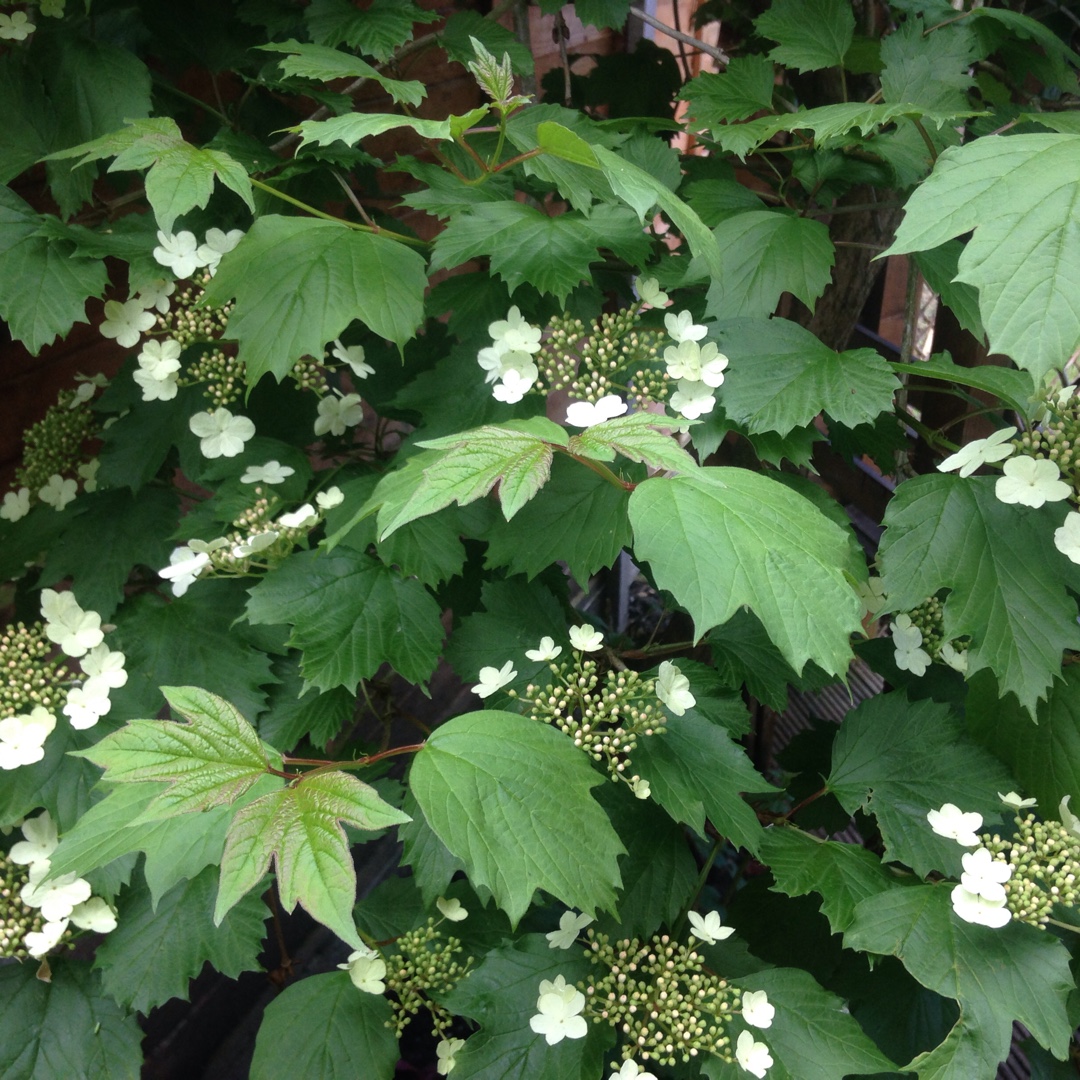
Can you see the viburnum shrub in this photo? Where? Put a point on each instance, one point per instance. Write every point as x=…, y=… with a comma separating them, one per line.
x=338, y=458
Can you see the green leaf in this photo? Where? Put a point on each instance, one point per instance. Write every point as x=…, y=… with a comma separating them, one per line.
x=64, y=1027
x=30, y=119
x=352, y=127
x=998, y=976
x=1014, y=388
x=842, y=874
x=1021, y=196
x=715, y=200
x=45, y=286
x=781, y=377
x=463, y=25
x=298, y=827
x=638, y=437
x=898, y=759
x=209, y=761
x=293, y=714
x=431, y=864
x=601, y=13
x=577, y=517
x=813, y=1035
x=1005, y=577
x=157, y=948
x=323, y=64
x=378, y=30
x=342, y=1028
x=929, y=69
x=812, y=34
x=299, y=283
x=510, y=797
x=350, y=614
x=697, y=772
x=722, y=538
x=744, y=88
x=561, y=142
x=766, y=254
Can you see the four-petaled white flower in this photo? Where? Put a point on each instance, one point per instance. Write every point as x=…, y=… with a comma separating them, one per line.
x=217, y=244
x=957, y=659
x=254, y=544
x=547, y=650
x=86, y=706
x=220, y=433
x=88, y=471
x=74, y=630
x=641, y=788
x=696, y=363
x=451, y=909
x=22, y=738
x=752, y=1055
x=707, y=927
x=682, y=327
x=331, y=497
x=445, y=1054
x=1031, y=482
x=673, y=689
x=55, y=898
x=58, y=492
x=338, y=413
x=41, y=840
x=39, y=942
x=353, y=355
x=973, y=908
x=16, y=505
x=367, y=969
x=515, y=384
x=273, y=472
x=692, y=399
x=872, y=594
x=185, y=565
x=586, y=638
x=1067, y=817
x=1066, y=537
x=94, y=914
x=558, y=1012
x=16, y=26
x=515, y=334
x=907, y=639
x=951, y=822
x=756, y=1010
x=156, y=294
x=159, y=365
x=126, y=322
x=585, y=414
x=493, y=678
x=984, y=875
x=570, y=925
x=302, y=517
x=180, y=253
x=1015, y=801
x=968, y=458
x=650, y=292
x=630, y=1070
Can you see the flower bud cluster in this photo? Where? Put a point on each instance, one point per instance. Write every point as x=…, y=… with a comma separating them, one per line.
x=17, y=919
x=427, y=962
x=54, y=445
x=604, y=717
x=920, y=638
x=27, y=677
x=224, y=375
x=1057, y=439
x=188, y=323
x=659, y=997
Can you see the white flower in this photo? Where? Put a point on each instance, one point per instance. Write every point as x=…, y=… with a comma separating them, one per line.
x=641, y=788
x=584, y=414
x=126, y=322
x=650, y=292
x=968, y=458
x=254, y=544
x=154, y=388
x=106, y=666
x=55, y=898
x=22, y=738
x=331, y=497
x=984, y=875
x=94, y=914
x=83, y=393
x=586, y=638
x=207, y=547
x=1068, y=818
x=301, y=518
x=692, y=399
x=66, y=624
x=220, y=433
x=1014, y=802
x=1066, y=538
x=84, y=708
x=756, y=1010
x=707, y=928
x=682, y=327
x=58, y=492
x=951, y=822
x=218, y=243
x=353, y=355
x=696, y=363
x=1031, y=482
x=185, y=565
x=957, y=659
x=872, y=594
x=514, y=385
x=492, y=679
x=752, y=1055
x=17, y=505
x=547, y=650
x=445, y=1053
x=558, y=1008
x=515, y=334
x=41, y=840
x=88, y=471
x=367, y=970
x=38, y=943
x=160, y=359
x=673, y=689
x=156, y=294
x=907, y=639
x=273, y=472
x=179, y=253
x=570, y=925
x=451, y=909
x=16, y=26
x=973, y=908
x=630, y=1069
x=336, y=414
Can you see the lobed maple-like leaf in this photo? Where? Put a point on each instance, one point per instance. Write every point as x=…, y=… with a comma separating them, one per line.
x=812, y=34
x=637, y=437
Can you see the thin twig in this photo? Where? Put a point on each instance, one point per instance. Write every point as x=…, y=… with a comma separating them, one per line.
x=351, y=196
x=710, y=50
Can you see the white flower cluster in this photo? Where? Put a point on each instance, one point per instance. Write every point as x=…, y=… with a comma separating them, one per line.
x=183, y=254
x=62, y=900
x=698, y=368
x=508, y=361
